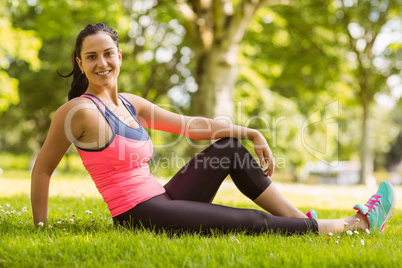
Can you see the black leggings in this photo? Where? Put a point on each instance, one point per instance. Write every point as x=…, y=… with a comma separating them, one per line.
x=186, y=205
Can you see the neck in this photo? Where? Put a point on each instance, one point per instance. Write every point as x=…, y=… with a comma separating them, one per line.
x=107, y=95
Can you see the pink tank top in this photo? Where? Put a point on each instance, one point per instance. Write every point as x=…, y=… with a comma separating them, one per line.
x=120, y=169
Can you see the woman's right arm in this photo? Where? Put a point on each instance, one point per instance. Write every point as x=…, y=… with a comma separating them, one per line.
x=61, y=134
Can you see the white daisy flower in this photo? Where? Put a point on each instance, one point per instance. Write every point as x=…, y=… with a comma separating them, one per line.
x=367, y=231
x=40, y=223
x=357, y=220
x=50, y=226
x=337, y=242
x=362, y=242
x=349, y=232
x=71, y=221
x=345, y=223
x=88, y=212
x=58, y=222
x=338, y=237
x=330, y=234
x=356, y=232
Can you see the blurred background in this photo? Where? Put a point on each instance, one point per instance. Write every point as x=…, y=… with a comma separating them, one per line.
x=320, y=79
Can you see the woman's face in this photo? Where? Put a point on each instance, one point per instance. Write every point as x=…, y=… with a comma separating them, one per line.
x=100, y=60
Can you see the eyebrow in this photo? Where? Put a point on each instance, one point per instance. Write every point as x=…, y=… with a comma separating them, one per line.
x=95, y=52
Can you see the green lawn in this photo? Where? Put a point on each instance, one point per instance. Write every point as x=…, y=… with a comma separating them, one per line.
x=81, y=239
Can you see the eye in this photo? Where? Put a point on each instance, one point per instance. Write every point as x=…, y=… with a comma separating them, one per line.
x=109, y=53
x=91, y=57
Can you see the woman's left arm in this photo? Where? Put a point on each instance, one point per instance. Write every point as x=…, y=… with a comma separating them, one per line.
x=201, y=128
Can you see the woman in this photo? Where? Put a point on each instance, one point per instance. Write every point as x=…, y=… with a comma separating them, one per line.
x=106, y=128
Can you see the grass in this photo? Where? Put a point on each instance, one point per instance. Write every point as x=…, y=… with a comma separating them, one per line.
x=92, y=241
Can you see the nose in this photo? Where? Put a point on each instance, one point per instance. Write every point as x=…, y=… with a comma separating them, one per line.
x=102, y=61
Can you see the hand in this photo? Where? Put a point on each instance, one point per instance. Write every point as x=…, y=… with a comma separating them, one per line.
x=264, y=154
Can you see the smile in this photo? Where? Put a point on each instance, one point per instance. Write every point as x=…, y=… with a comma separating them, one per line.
x=103, y=73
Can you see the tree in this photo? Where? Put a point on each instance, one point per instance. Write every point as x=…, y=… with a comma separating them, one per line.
x=292, y=52
x=363, y=23
x=324, y=50
x=16, y=45
x=215, y=30
x=146, y=34
x=56, y=24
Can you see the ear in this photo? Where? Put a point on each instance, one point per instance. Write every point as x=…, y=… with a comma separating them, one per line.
x=79, y=62
x=120, y=57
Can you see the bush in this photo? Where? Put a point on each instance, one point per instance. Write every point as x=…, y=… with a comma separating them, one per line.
x=10, y=161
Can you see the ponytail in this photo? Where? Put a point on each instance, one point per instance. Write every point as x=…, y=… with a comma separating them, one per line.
x=80, y=82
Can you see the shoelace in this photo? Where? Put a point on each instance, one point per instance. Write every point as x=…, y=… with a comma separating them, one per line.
x=371, y=204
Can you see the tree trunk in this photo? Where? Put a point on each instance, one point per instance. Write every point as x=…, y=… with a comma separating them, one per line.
x=215, y=30
x=366, y=148
x=216, y=77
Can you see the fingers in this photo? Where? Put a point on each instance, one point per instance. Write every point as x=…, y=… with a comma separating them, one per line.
x=272, y=163
x=271, y=167
x=262, y=159
x=266, y=157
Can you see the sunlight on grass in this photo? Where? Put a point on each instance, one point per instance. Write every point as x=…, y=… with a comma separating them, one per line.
x=316, y=196
x=79, y=233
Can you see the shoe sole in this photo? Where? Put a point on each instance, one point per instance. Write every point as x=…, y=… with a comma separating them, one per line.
x=391, y=210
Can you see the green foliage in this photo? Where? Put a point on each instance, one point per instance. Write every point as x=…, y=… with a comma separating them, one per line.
x=9, y=92
x=16, y=45
x=295, y=60
x=14, y=162
x=143, y=31
x=295, y=54
x=394, y=152
x=309, y=53
x=57, y=23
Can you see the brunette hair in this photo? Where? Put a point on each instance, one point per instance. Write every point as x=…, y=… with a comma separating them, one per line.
x=80, y=82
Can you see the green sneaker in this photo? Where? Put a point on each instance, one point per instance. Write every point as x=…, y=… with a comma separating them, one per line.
x=380, y=207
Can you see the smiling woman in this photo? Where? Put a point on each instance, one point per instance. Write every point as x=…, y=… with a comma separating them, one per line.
x=87, y=56
x=101, y=67
x=107, y=129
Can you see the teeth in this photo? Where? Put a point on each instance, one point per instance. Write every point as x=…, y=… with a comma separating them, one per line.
x=104, y=72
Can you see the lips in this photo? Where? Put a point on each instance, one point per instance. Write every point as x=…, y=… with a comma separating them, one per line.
x=103, y=73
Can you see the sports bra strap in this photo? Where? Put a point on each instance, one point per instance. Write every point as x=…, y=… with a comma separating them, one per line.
x=128, y=104
x=98, y=103
x=102, y=107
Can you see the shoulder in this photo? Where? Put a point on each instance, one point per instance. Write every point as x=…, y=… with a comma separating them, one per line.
x=77, y=106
